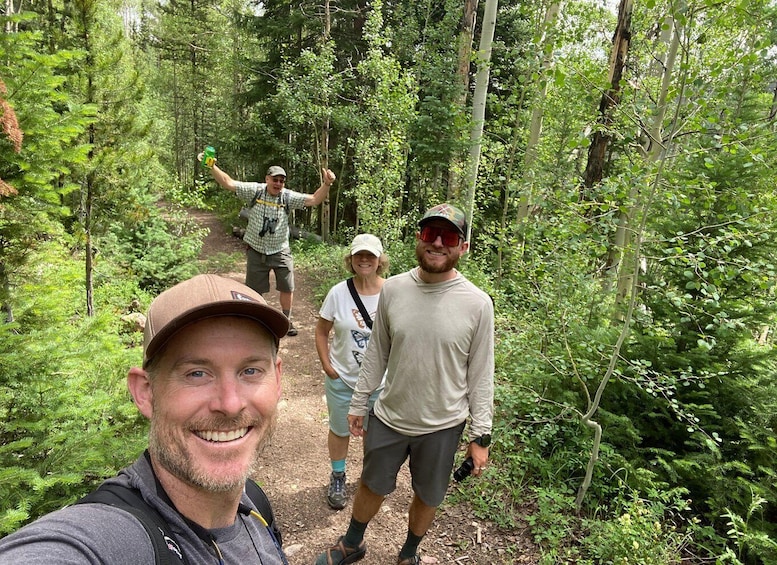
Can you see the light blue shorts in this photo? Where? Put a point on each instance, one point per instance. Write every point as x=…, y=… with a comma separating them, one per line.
x=338, y=401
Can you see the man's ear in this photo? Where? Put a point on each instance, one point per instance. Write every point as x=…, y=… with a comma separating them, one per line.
x=139, y=385
x=278, y=376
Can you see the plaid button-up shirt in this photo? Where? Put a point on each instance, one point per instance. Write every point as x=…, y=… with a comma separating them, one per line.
x=268, y=220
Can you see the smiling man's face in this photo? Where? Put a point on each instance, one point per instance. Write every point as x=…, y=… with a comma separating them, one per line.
x=434, y=257
x=275, y=184
x=213, y=402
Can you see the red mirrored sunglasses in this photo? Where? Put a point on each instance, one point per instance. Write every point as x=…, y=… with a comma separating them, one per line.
x=450, y=238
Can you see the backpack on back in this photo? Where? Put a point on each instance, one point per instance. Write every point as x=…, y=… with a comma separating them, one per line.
x=167, y=550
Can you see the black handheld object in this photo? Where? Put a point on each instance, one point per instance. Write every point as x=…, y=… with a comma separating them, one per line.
x=464, y=471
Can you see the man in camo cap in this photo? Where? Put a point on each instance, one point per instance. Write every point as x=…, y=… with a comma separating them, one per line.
x=433, y=337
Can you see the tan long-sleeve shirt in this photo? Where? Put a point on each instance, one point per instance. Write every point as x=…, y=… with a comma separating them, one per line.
x=437, y=343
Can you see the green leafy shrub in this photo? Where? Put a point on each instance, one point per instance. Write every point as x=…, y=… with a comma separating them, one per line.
x=68, y=418
x=639, y=531
x=158, y=252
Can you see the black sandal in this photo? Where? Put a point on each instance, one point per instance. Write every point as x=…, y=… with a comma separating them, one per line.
x=341, y=554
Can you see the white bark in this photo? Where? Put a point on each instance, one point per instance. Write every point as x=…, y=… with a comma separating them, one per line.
x=479, y=104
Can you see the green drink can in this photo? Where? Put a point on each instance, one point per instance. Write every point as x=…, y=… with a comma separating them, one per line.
x=209, y=157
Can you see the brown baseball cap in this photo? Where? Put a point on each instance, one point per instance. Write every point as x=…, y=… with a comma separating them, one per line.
x=206, y=296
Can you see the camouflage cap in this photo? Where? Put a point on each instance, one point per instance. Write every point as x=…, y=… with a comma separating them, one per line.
x=448, y=212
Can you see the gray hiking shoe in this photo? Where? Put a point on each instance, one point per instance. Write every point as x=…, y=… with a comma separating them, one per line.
x=337, y=497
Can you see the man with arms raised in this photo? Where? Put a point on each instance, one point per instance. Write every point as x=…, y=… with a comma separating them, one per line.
x=267, y=234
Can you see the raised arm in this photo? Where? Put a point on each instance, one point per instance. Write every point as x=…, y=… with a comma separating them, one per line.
x=224, y=180
x=328, y=177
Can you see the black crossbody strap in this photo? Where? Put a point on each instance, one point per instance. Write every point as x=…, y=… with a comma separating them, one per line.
x=259, y=498
x=359, y=303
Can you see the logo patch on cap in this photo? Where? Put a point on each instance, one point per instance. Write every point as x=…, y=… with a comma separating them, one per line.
x=240, y=296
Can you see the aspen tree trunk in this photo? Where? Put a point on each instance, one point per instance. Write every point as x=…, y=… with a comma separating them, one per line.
x=9, y=12
x=479, y=103
x=466, y=39
x=546, y=44
x=325, y=205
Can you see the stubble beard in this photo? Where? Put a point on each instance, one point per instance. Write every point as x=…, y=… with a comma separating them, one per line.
x=423, y=262
x=172, y=453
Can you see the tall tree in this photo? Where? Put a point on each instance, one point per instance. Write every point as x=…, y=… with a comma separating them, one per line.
x=597, y=153
x=37, y=164
x=119, y=155
x=546, y=44
x=479, y=104
x=192, y=39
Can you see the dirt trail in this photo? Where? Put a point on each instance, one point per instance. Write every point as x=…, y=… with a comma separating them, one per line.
x=296, y=470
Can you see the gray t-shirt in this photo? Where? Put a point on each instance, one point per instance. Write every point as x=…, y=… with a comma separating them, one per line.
x=99, y=534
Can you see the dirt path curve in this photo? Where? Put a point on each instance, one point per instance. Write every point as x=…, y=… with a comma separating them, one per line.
x=296, y=470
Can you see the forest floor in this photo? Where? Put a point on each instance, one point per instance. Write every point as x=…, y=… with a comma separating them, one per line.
x=295, y=473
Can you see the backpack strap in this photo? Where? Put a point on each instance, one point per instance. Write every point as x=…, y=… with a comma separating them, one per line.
x=263, y=506
x=285, y=201
x=167, y=550
x=255, y=199
x=262, y=503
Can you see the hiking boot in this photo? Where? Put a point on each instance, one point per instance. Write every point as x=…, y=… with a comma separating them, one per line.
x=292, y=330
x=341, y=554
x=414, y=560
x=337, y=497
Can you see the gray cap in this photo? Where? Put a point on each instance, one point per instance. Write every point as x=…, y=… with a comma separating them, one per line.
x=276, y=171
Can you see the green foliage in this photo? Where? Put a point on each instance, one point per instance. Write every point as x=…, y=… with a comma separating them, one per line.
x=691, y=402
x=158, y=253
x=751, y=542
x=641, y=531
x=388, y=101
x=50, y=120
x=326, y=261
x=553, y=525
x=68, y=419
